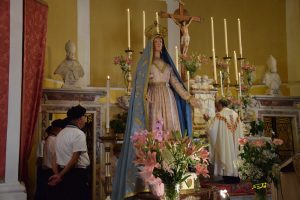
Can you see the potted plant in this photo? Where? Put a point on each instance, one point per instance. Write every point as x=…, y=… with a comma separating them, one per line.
x=164, y=159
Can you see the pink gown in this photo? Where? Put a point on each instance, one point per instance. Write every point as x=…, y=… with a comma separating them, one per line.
x=161, y=104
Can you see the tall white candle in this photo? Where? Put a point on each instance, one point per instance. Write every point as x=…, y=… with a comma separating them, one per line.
x=188, y=80
x=213, y=49
x=107, y=101
x=144, y=27
x=212, y=33
x=226, y=42
x=235, y=67
x=157, y=27
x=240, y=86
x=128, y=27
x=221, y=82
x=176, y=58
x=240, y=38
x=215, y=66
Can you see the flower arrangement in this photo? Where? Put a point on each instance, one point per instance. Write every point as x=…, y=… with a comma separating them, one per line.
x=234, y=103
x=193, y=62
x=123, y=62
x=256, y=161
x=248, y=72
x=222, y=64
x=164, y=158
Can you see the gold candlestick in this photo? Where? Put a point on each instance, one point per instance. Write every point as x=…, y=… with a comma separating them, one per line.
x=128, y=76
x=227, y=60
x=108, y=184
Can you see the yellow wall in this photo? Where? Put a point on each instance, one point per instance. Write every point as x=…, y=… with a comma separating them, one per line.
x=62, y=26
x=109, y=35
x=293, y=41
x=263, y=31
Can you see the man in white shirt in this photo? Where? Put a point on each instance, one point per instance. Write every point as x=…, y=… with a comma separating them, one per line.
x=224, y=130
x=72, y=158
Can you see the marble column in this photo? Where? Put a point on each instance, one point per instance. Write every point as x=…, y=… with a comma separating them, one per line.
x=292, y=43
x=83, y=38
x=11, y=187
x=173, y=29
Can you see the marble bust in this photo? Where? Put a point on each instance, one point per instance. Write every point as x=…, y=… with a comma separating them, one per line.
x=271, y=78
x=70, y=69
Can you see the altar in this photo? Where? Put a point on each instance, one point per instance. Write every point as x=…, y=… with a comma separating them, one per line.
x=281, y=117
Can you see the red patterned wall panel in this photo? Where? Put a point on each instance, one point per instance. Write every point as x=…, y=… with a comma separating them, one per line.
x=35, y=29
x=4, y=70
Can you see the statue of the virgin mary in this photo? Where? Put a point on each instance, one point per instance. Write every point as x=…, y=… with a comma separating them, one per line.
x=158, y=93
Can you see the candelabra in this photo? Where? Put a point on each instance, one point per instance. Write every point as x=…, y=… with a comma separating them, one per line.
x=227, y=60
x=240, y=83
x=108, y=183
x=214, y=58
x=128, y=76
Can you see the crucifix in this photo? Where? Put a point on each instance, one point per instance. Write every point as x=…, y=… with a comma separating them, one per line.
x=183, y=20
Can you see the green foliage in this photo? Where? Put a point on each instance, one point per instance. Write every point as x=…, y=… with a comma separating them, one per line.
x=118, y=124
x=256, y=127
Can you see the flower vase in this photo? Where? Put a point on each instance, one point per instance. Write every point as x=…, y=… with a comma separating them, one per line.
x=172, y=192
x=260, y=194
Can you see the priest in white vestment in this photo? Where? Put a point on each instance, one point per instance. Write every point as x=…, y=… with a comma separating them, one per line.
x=223, y=133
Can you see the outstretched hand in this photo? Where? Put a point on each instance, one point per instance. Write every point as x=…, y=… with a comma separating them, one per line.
x=195, y=102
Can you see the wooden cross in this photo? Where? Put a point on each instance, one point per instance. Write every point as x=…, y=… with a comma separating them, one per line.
x=179, y=16
x=183, y=21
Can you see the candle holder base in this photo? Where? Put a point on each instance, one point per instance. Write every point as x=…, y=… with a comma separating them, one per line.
x=216, y=85
x=108, y=185
x=216, y=57
x=227, y=58
x=129, y=51
x=128, y=76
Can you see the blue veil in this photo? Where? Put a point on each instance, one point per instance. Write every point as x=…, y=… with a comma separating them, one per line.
x=126, y=182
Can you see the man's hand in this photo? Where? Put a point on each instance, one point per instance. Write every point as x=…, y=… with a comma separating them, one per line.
x=54, y=180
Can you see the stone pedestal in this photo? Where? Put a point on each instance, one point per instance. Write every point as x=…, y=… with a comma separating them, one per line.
x=207, y=98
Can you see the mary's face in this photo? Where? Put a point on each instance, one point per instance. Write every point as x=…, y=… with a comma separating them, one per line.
x=157, y=44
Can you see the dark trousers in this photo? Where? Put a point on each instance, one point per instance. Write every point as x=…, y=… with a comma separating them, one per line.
x=74, y=185
x=39, y=184
x=44, y=191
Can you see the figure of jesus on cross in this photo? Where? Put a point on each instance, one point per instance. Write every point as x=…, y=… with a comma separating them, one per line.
x=184, y=33
x=183, y=20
